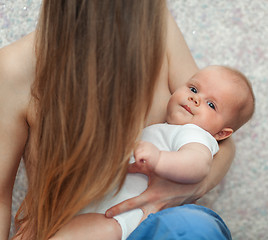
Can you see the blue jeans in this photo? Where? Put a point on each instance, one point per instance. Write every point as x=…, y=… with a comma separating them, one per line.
x=187, y=222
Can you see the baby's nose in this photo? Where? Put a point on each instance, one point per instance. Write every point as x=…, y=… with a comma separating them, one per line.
x=194, y=99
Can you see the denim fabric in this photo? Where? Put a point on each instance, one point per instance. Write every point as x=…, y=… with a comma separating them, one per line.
x=187, y=222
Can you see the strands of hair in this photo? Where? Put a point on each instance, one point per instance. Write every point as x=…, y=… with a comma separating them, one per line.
x=97, y=65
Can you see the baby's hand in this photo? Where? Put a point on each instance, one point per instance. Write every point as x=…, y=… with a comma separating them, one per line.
x=146, y=154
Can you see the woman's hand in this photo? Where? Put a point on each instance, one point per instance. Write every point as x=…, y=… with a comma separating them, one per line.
x=160, y=194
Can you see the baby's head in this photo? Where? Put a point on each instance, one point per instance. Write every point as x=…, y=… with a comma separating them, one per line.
x=218, y=99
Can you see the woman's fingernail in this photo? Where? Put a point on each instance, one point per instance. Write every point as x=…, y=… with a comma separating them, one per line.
x=108, y=214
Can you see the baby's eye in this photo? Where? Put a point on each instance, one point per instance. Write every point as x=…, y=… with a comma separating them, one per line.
x=211, y=104
x=193, y=89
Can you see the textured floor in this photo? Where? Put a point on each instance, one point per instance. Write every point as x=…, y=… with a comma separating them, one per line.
x=230, y=32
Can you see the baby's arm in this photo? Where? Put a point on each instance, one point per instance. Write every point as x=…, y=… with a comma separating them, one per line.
x=188, y=165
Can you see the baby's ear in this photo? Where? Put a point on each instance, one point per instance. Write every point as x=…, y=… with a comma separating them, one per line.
x=223, y=134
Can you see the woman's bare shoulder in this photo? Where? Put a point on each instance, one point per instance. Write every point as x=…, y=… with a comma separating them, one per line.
x=17, y=66
x=17, y=61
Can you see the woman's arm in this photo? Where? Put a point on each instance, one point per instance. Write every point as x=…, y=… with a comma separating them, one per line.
x=181, y=64
x=13, y=129
x=220, y=165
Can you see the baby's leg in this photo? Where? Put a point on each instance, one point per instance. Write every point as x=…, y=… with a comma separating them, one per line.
x=90, y=226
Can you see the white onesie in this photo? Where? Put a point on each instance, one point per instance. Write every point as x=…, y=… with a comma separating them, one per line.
x=166, y=137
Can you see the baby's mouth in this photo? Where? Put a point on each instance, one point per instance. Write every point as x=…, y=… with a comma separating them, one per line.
x=187, y=109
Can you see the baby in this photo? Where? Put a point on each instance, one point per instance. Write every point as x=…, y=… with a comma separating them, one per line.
x=208, y=108
x=213, y=104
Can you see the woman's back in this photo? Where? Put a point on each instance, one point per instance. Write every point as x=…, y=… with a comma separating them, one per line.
x=18, y=70
x=93, y=85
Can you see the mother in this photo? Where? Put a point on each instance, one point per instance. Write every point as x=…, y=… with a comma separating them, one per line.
x=74, y=97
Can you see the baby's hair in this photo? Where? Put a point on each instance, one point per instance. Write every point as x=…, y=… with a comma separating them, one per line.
x=247, y=109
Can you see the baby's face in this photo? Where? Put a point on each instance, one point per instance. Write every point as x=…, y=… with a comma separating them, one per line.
x=209, y=100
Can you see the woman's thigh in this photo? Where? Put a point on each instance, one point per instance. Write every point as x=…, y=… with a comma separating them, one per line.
x=185, y=222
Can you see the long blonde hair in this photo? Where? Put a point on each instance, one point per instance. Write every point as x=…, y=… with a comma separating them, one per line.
x=97, y=65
